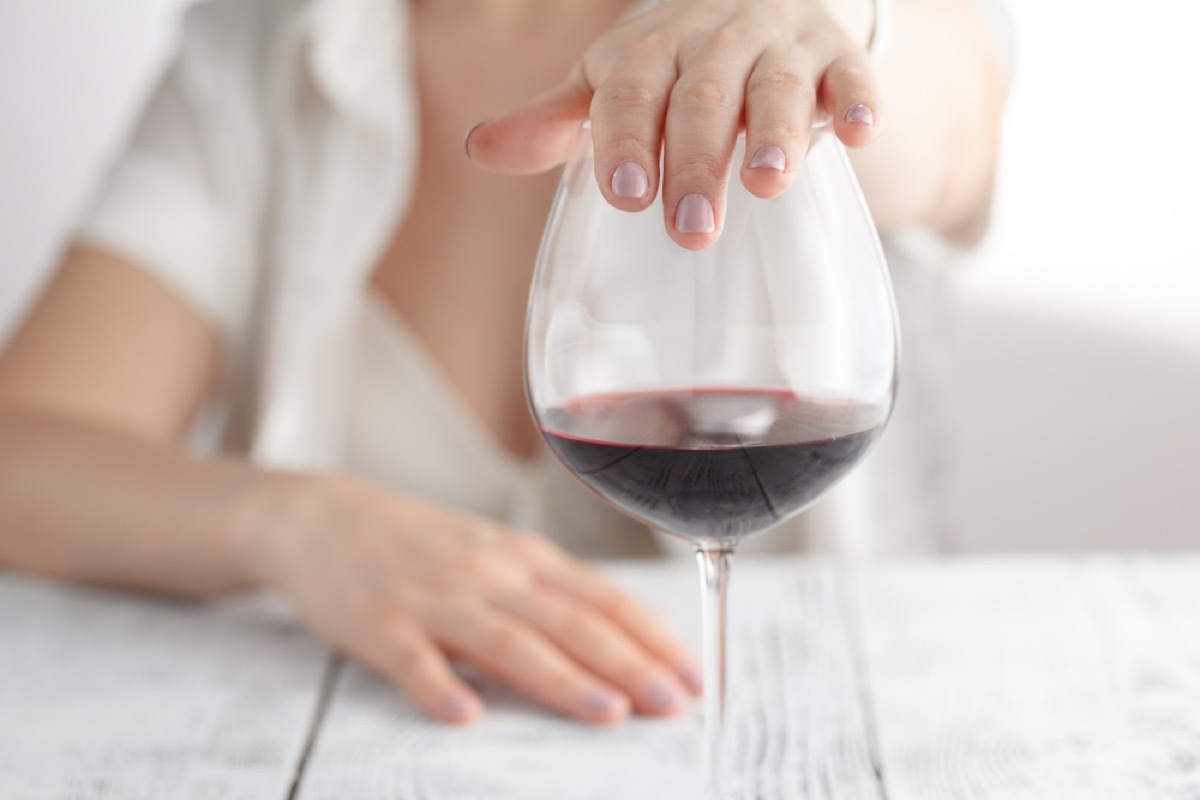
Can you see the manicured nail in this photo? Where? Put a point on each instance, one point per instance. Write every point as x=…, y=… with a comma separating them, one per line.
x=460, y=708
x=661, y=696
x=860, y=113
x=605, y=702
x=695, y=215
x=629, y=180
x=769, y=157
x=690, y=673
x=467, y=138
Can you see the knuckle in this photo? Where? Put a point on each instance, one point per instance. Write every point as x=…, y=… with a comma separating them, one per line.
x=409, y=654
x=475, y=565
x=779, y=82
x=574, y=621
x=782, y=131
x=704, y=94
x=509, y=643
x=846, y=72
x=729, y=37
x=699, y=168
x=530, y=546
x=628, y=144
x=456, y=611
x=627, y=96
x=650, y=46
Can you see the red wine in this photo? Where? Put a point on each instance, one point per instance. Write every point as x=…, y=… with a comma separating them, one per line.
x=713, y=464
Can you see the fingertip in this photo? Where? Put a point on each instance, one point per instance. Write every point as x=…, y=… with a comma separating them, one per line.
x=605, y=706
x=630, y=186
x=690, y=674
x=471, y=133
x=533, y=138
x=694, y=225
x=693, y=241
x=460, y=707
x=663, y=697
x=857, y=125
x=765, y=171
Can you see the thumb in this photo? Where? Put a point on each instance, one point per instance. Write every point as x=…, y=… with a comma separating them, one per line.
x=535, y=137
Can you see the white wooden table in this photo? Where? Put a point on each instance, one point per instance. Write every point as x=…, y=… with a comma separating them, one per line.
x=1028, y=678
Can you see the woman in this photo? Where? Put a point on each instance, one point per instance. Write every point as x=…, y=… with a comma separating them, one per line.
x=295, y=253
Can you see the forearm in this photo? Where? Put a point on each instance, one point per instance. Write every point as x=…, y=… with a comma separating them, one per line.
x=85, y=504
x=944, y=82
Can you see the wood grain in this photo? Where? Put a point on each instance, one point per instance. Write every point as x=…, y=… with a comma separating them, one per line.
x=996, y=679
x=106, y=695
x=1020, y=679
x=798, y=728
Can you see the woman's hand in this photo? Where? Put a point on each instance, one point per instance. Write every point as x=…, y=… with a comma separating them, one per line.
x=405, y=586
x=681, y=80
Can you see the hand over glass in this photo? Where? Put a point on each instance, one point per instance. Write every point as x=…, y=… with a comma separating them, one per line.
x=713, y=393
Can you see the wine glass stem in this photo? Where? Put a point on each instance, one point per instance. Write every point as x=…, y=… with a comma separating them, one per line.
x=714, y=578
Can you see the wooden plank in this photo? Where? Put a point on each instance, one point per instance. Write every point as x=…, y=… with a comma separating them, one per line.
x=796, y=716
x=109, y=695
x=1031, y=679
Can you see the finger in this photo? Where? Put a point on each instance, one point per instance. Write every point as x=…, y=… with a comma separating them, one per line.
x=627, y=123
x=701, y=128
x=850, y=92
x=780, y=102
x=410, y=660
x=512, y=651
x=602, y=648
x=581, y=581
x=535, y=137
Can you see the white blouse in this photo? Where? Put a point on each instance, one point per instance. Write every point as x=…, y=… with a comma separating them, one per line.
x=262, y=184
x=409, y=429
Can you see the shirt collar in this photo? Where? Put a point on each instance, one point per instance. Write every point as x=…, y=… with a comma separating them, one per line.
x=355, y=52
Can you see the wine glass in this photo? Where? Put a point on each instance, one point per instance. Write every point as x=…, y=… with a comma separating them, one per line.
x=712, y=394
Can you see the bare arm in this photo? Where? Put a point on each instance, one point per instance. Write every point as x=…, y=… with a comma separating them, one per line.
x=96, y=391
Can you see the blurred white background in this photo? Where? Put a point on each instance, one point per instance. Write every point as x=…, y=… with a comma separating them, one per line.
x=1077, y=393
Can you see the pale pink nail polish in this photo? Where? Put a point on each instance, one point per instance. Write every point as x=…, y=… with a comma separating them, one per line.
x=605, y=702
x=629, y=180
x=769, y=157
x=460, y=707
x=861, y=114
x=694, y=214
x=662, y=697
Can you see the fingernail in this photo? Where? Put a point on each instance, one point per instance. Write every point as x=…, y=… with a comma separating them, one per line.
x=605, y=702
x=690, y=673
x=695, y=215
x=860, y=113
x=460, y=708
x=662, y=696
x=467, y=138
x=629, y=180
x=769, y=157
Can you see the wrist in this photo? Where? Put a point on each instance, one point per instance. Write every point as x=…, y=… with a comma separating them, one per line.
x=270, y=511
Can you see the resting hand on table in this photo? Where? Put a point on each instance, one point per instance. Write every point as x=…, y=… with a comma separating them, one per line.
x=403, y=586
x=682, y=79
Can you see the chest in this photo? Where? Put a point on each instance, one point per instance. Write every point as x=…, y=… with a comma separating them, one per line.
x=458, y=266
